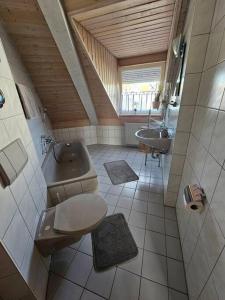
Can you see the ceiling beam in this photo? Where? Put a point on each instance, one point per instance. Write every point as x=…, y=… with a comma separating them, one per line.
x=56, y=20
x=84, y=5
x=143, y=59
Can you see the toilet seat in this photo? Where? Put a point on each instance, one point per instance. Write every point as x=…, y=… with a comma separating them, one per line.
x=79, y=214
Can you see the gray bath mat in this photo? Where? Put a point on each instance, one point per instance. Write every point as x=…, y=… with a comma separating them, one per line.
x=112, y=243
x=120, y=172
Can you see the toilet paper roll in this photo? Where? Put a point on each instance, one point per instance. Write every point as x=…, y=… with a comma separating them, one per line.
x=193, y=205
x=190, y=201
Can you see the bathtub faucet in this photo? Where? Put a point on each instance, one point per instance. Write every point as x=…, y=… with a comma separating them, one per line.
x=46, y=141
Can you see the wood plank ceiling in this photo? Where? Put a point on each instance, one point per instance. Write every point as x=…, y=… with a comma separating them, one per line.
x=128, y=27
x=26, y=25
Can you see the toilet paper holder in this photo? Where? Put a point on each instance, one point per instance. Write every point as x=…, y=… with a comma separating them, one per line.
x=194, y=197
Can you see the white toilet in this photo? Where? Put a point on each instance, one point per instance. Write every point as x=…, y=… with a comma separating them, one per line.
x=67, y=222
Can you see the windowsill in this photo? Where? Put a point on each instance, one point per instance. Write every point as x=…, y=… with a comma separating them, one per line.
x=140, y=114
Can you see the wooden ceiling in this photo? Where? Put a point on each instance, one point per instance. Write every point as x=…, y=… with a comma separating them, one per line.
x=126, y=27
x=26, y=25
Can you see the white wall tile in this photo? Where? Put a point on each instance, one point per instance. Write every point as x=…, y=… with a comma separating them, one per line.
x=181, y=142
x=219, y=12
x=16, y=238
x=218, y=275
x=190, y=89
x=218, y=203
x=203, y=16
x=212, y=86
x=218, y=139
x=209, y=291
x=210, y=176
x=186, y=114
x=214, y=46
x=14, y=222
x=7, y=211
x=196, y=55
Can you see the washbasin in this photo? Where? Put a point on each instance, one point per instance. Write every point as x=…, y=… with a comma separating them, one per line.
x=154, y=138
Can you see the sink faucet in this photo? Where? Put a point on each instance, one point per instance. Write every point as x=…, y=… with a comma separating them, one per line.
x=150, y=119
x=161, y=124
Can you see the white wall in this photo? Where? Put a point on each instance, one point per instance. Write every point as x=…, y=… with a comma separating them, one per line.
x=22, y=202
x=203, y=235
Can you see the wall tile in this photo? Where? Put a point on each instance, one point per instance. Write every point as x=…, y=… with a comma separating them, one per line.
x=174, y=183
x=218, y=202
x=12, y=107
x=218, y=139
x=16, y=238
x=5, y=70
x=203, y=16
x=222, y=48
x=196, y=275
x=14, y=222
x=212, y=86
x=204, y=124
x=209, y=291
x=215, y=40
x=181, y=142
x=177, y=164
x=218, y=275
x=28, y=210
x=210, y=176
x=202, y=235
x=190, y=89
x=212, y=239
x=196, y=56
x=185, y=118
x=219, y=12
x=7, y=211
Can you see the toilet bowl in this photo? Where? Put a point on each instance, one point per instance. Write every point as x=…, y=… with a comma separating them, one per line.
x=67, y=222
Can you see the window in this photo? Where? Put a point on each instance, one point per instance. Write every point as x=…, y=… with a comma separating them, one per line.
x=139, y=88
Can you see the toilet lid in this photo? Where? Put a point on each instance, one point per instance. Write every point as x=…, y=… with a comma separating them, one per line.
x=79, y=214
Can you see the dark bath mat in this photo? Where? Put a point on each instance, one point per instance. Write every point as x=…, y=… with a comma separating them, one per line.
x=120, y=172
x=112, y=243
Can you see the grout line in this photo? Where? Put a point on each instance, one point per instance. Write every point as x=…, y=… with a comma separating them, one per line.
x=211, y=274
x=140, y=276
x=167, y=270
x=113, y=283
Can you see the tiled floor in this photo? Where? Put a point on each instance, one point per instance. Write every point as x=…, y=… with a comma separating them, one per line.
x=157, y=272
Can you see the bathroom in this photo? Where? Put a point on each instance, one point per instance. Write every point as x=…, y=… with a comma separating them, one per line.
x=63, y=124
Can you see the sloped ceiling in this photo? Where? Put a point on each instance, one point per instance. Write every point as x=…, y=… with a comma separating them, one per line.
x=25, y=24
x=127, y=27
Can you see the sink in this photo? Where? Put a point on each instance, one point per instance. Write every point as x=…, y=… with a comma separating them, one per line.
x=153, y=138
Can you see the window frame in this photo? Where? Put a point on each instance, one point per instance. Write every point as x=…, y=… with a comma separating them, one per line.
x=161, y=65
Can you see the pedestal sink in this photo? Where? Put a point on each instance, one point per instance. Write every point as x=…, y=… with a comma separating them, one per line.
x=154, y=139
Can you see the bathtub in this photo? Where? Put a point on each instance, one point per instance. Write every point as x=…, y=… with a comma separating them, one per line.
x=68, y=171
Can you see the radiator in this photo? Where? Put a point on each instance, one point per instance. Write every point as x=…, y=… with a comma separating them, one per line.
x=130, y=129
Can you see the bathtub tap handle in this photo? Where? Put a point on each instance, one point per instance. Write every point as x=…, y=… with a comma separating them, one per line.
x=45, y=141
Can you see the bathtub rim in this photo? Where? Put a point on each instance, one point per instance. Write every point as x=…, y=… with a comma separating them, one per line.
x=91, y=174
